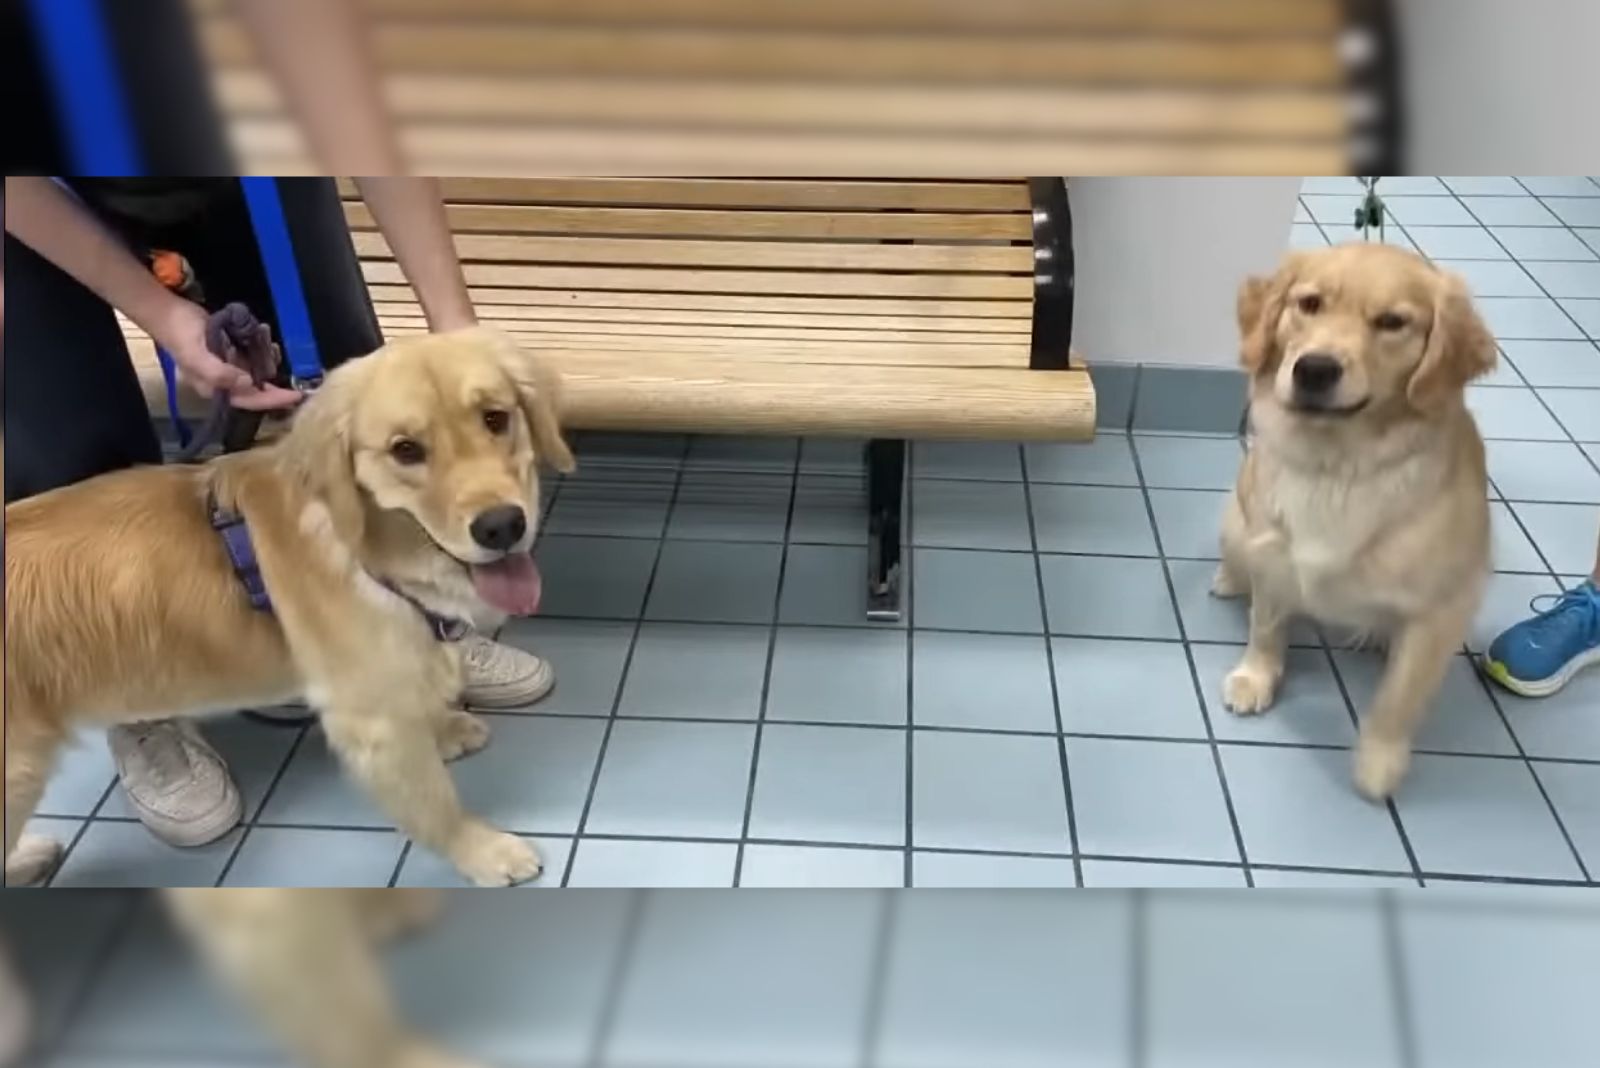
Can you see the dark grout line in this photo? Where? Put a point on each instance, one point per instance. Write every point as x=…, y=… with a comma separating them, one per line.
x=83, y=828
x=1139, y=979
x=908, y=595
x=119, y=930
x=400, y=862
x=878, y=979
x=250, y=824
x=616, y=977
x=1399, y=979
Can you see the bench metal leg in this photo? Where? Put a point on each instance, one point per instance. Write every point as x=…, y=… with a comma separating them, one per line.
x=886, y=475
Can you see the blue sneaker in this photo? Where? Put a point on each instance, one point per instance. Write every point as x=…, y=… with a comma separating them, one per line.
x=1538, y=656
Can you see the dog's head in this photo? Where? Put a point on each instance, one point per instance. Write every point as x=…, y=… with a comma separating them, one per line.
x=447, y=430
x=1361, y=327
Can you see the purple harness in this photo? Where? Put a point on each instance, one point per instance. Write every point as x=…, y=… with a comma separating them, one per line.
x=235, y=534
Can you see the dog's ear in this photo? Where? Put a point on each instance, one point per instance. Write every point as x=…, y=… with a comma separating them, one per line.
x=539, y=390
x=319, y=454
x=1260, y=306
x=1459, y=349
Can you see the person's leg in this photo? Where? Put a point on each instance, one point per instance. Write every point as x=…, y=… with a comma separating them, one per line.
x=73, y=410
x=1540, y=655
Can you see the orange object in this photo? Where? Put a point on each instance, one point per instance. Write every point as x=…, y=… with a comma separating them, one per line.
x=170, y=268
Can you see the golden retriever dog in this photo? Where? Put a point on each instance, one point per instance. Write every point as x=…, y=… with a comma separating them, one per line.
x=406, y=488
x=1362, y=499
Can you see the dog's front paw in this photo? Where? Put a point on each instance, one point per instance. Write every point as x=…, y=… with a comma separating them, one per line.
x=33, y=860
x=1249, y=690
x=1380, y=767
x=1227, y=583
x=489, y=857
x=460, y=733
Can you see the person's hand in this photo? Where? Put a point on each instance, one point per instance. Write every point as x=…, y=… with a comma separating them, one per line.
x=183, y=335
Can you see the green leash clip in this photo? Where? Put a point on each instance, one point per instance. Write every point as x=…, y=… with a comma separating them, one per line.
x=1370, y=213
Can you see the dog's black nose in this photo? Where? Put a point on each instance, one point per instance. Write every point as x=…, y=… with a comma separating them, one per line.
x=1317, y=373
x=499, y=527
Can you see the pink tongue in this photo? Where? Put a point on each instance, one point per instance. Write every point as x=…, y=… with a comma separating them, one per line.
x=512, y=585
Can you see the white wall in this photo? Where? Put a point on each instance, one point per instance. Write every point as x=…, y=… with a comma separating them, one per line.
x=1159, y=261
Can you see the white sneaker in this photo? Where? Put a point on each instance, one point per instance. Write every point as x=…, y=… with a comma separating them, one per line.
x=502, y=676
x=178, y=785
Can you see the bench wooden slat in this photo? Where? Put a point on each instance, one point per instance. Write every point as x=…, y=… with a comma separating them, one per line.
x=645, y=335
x=1012, y=310
x=725, y=193
x=675, y=252
x=666, y=279
x=699, y=222
x=512, y=315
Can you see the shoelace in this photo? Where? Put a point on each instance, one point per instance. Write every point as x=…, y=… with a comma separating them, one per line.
x=169, y=759
x=1579, y=598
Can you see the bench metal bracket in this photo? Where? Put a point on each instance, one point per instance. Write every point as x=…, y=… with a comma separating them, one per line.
x=886, y=474
x=1054, y=275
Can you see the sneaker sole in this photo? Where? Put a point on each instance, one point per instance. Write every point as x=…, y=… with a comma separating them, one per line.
x=194, y=833
x=1541, y=687
x=497, y=698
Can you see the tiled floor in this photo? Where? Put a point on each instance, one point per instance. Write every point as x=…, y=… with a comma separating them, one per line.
x=1046, y=714
x=1166, y=979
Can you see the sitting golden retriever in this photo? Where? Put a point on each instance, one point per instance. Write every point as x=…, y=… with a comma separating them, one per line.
x=1362, y=500
x=399, y=508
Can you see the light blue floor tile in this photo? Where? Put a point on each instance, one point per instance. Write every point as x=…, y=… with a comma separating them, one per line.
x=827, y=584
x=819, y=867
x=1505, y=602
x=829, y=509
x=717, y=452
x=602, y=862
x=1171, y=462
x=1563, y=725
x=1268, y=878
x=599, y=449
x=1568, y=279
x=1512, y=413
x=799, y=989
x=836, y=675
x=1586, y=312
x=1509, y=211
x=1481, y=816
x=1298, y=807
x=252, y=750
x=715, y=582
x=668, y=779
x=1092, y=519
x=1494, y=278
x=696, y=670
x=1190, y=521
x=1528, y=243
x=1127, y=687
x=1107, y=597
x=1140, y=874
x=424, y=868
x=1512, y=551
x=1337, y=184
x=83, y=775
x=987, y=460
x=1045, y=981
x=510, y=983
x=1105, y=461
x=1482, y=186
x=723, y=506
x=1526, y=317
x=1310, y=709
x=1576, y=211
x=1301, y=214
x=587, y=656
x=1412, y=211
x=1494, y=987
x=1560, y=186
x=1578, y=410
x=1555, y=363
x=1543, y=471
x=1118, y=814
x=1250, y=980
x=595, y=576
x=830, y=784
x=954, y=514
x=1456, y=243
x=993, y=681
x=1565, y=533
x=127, y=855
x=979, y=870
x=1575, y=791
x=1502, y=374
x=1589, y=237
x=1212, y=619
x=988, y=791
x=1306, y=235
x=1337, y=209
x=1462, y=720
x=278, y=856
x=977, y=591
x=622, y=502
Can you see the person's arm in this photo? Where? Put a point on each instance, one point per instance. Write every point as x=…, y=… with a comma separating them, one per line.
x=54, y=224
x=410, y=212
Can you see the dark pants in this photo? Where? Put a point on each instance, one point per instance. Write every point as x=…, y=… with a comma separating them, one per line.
x=73, y=406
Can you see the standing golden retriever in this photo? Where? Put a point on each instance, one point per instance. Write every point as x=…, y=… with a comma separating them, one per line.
x=401, y=504
x=1362, y=500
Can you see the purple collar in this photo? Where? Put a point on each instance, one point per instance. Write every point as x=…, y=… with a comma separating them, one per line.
x=235, y=534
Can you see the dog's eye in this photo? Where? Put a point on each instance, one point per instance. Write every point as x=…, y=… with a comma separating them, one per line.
x=496, y=421
x=1310, y=304
x=1390, y=322
x=406, y=451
